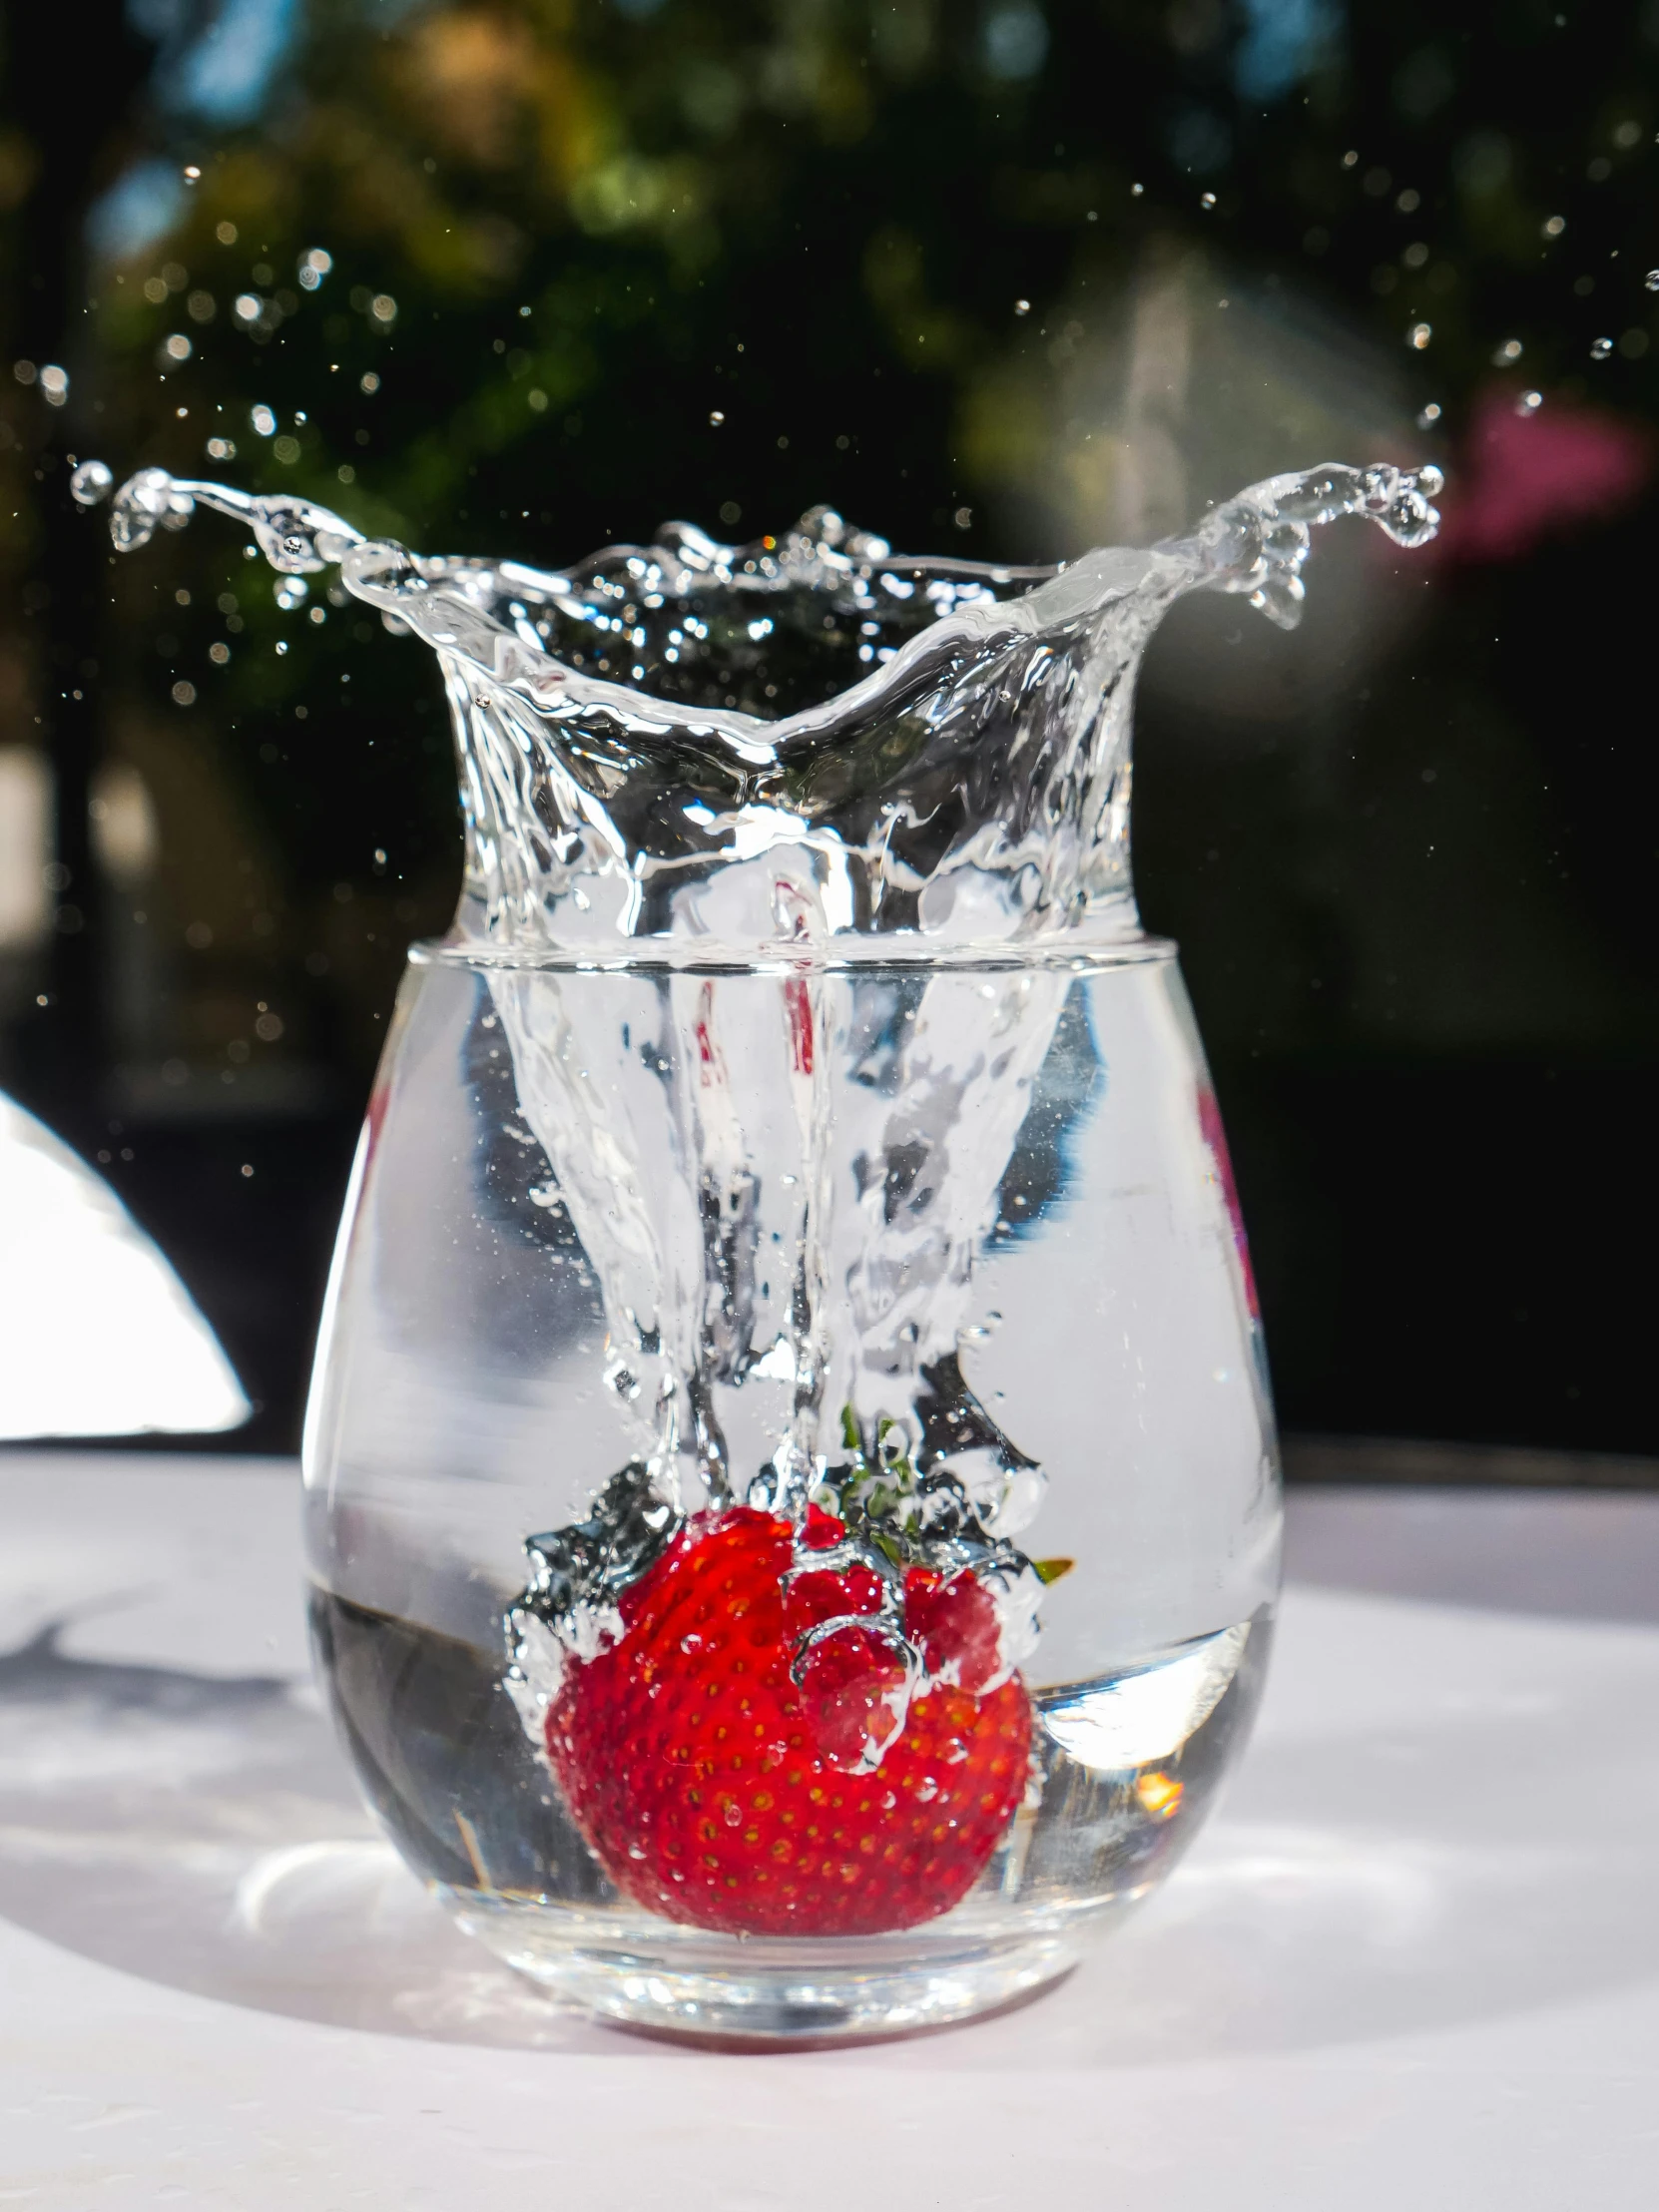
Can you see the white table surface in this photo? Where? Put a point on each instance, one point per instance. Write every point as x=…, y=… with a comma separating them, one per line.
x=1413, y=1966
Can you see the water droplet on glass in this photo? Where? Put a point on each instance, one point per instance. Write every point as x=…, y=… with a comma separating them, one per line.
x=90, y=483
x=1601, y=348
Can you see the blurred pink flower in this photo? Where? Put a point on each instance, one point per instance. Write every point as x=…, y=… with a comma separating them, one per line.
x=1522, y=477
x=1215, y=1138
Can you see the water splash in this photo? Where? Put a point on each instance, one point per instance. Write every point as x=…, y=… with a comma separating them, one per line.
x=893, y=795
x=296, y=536
x=804, y=742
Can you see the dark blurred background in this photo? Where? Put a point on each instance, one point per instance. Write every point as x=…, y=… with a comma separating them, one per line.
x=1011, y=278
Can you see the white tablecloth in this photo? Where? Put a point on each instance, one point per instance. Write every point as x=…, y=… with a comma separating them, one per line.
x=1413, y=1963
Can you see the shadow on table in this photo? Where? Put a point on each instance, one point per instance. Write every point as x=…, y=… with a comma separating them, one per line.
x=1458, y=1842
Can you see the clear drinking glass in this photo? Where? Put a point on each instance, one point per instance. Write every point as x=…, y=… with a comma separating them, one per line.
x=790, y=1489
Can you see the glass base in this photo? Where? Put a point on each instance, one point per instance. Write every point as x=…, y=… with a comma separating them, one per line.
x=712, y=1989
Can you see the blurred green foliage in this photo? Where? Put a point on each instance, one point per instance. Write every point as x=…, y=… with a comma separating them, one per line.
x=568, y=234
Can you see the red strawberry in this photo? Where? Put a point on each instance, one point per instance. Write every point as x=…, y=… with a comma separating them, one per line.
x=954, y=1625
x=711, y=1754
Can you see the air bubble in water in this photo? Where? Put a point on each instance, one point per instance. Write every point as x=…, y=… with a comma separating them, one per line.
x=91, y=482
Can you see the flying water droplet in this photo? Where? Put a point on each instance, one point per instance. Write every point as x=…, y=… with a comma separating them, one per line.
x=1601, y=348
x=91, y=482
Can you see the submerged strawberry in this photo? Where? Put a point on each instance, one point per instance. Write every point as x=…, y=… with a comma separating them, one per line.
x=770, y=1746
